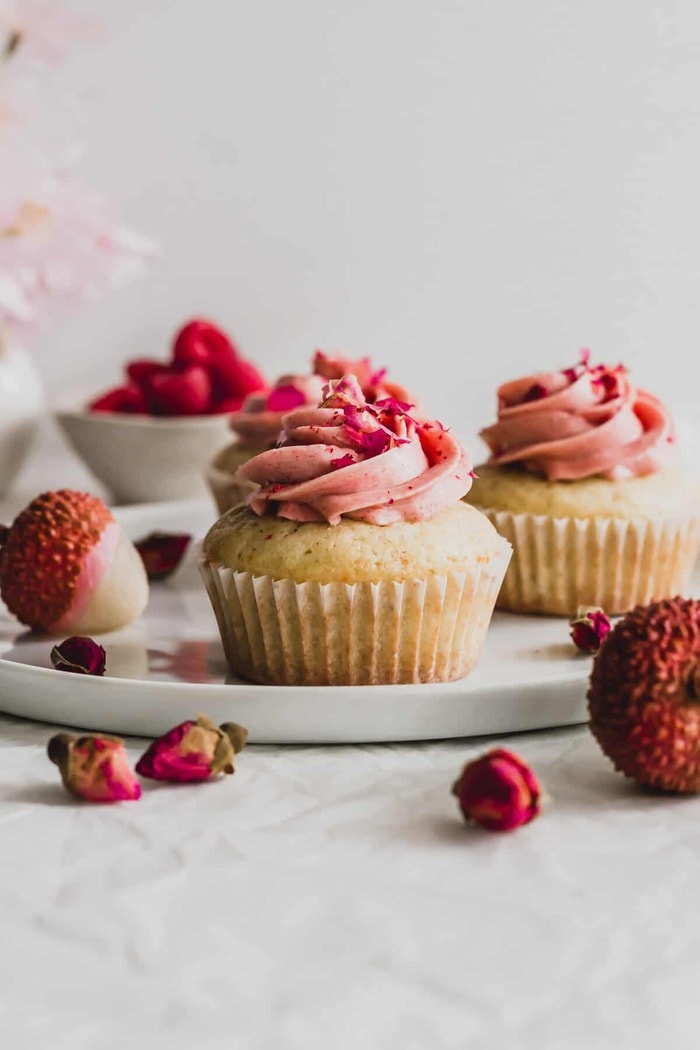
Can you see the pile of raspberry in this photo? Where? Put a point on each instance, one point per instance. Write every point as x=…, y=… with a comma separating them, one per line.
x=206, y=374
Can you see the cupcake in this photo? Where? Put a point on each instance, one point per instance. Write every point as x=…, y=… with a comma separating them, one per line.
x=258, y=424
x=581, y=480
x=355, y=561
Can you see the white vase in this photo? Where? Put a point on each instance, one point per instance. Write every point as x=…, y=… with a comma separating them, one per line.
x=21, y=408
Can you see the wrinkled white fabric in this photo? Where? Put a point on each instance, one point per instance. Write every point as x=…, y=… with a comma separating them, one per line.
x=328, y=897
x=331, y=898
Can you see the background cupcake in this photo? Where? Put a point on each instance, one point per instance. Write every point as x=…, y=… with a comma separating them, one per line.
x=258, y=424
x=581, y=480
x=355, y=561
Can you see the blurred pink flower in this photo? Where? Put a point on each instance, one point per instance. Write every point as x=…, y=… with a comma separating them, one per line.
x=42, y=31
x=58, y=242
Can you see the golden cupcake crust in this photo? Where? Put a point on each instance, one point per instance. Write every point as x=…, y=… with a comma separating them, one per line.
x=352, y=552
x=233, y=456
x=666, y=494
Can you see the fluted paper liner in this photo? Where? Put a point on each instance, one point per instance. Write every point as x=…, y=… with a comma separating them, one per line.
x=286, y=633
x=561, y=563
x=227, y=489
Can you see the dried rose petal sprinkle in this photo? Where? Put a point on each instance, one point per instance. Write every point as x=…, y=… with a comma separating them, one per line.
x=162, y=552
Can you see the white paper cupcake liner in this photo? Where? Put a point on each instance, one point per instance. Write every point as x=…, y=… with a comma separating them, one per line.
x=286, y=633
x=561, y=563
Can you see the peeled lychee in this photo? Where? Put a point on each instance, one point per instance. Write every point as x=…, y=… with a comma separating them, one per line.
x=67, y=566
x=644, y=695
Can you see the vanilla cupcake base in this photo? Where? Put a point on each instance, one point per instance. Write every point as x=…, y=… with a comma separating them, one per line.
x=227, y=489
x=277, y=631
x=615, y=563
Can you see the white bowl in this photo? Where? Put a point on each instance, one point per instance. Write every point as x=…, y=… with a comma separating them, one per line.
x=145, y=458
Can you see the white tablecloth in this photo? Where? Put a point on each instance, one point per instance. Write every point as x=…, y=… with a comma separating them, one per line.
x=332, y=897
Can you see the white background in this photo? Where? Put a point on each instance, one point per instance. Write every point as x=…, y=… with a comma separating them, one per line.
x=466, y=189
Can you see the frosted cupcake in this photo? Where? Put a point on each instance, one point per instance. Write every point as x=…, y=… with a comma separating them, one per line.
x=258, y=424
x=581, y=481
x=356, y=561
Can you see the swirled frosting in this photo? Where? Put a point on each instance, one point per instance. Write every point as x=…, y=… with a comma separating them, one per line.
x=259, y=421
x=373, y=382
x=580, y=422
x=349, y=458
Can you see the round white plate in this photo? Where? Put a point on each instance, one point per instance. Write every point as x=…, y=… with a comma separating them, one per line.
x=169, y=666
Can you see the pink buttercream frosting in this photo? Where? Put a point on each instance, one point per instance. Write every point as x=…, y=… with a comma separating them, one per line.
x=580, y=422
x=259, y=421
x=373, y=381
x=349, y=458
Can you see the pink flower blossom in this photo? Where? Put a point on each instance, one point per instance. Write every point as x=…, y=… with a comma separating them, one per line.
x=56, y=242
x=40, y=31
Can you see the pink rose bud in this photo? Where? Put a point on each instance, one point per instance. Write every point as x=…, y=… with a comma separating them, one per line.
x=94, y=767
x=588, y=629
x=79, y=655
x=193, y=751
x=498, y=791
x=162, y=552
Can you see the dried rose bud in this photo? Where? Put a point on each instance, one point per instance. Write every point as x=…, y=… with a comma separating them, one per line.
x=498, y=791
x=193, y=751
x=162, y=552
x=79, y=655
x=588, y=628
x=94, y=767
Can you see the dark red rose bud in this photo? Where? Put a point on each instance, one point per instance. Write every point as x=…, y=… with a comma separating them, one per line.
x=588, y=629
x=498, y=791
x=79, y=655
x=162, y=552
x=95, y=768
x=193, y=751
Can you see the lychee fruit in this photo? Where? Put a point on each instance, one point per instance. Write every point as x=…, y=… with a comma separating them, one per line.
x=644, y=695
x=66, y=566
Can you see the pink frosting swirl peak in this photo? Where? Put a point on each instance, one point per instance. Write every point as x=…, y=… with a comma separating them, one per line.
x=373, y=381
x=349, y=458
x=258, y=423
x=580, y=422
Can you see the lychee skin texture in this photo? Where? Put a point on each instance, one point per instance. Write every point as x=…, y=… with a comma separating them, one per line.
x=644, y=695
x=42, y=555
